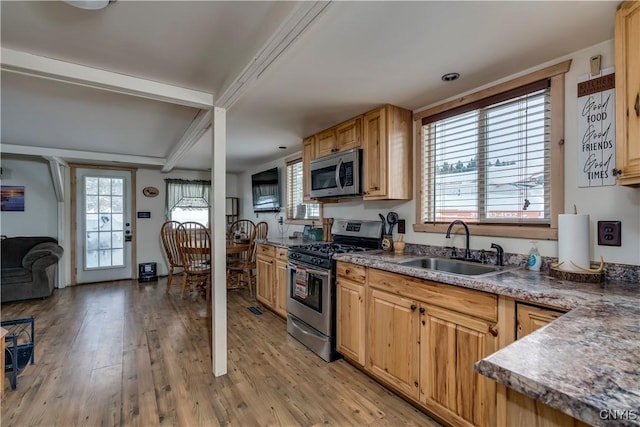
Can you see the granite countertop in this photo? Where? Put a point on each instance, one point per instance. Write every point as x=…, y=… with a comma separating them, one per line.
x=586, y=363
x=285, y=241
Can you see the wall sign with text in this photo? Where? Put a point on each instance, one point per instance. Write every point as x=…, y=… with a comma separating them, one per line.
x=596, y=129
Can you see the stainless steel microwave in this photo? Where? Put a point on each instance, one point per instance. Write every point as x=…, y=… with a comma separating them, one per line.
x=337, y=175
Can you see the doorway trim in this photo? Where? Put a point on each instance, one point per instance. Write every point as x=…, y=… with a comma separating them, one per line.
x=74, y=216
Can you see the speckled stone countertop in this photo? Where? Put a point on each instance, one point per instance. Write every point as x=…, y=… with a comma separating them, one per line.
x=285, y=242
x=586, y=363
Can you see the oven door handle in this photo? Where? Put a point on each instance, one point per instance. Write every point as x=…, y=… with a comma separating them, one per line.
x=309, y=270
x=338, y=183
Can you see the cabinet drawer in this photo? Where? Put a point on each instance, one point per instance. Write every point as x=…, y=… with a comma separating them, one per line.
x=266, y=250
x=355, y=273
x=281, y=253
x=474, y=303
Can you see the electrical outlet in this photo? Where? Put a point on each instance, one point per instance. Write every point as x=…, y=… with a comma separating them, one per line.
x=610, y=233
x=401, y=226
x=280, y=220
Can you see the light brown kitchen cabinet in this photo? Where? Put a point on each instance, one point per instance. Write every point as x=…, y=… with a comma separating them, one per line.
x=271, y=278
x=265, y=273
x=521, y=410
x=326, y=142
x=350, y=312
x=387, y=151
x=393, y=348
x=627, y=58
x=451, y=343
x=342, y=137
x=309, y=152
x=280, y=285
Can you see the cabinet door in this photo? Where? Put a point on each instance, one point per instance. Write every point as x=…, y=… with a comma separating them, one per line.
x=264, y=280
x=529, y=318
x=326, y=142
x=349, y=134
x=375, y=154
x=280, y=286
x=308, y=154
x=522, y=410
x=627, y=57
x=350, y=326
x=393, y=333
x=450, y=345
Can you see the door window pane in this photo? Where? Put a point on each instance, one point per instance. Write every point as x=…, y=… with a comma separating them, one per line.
x=104, y=233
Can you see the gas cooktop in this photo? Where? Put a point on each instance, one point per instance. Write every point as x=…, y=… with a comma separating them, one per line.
x=328, y=249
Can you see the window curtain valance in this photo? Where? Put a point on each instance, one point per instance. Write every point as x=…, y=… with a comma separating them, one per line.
x=187, y=194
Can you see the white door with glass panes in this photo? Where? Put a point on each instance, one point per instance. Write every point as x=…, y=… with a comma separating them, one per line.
x=104, y=232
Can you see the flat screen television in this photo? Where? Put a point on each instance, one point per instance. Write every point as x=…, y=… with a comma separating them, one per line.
x=265, y=187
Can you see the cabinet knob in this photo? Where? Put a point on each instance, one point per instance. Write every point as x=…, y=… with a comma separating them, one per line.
x=347, y=271
x=422, y=310
x=637, y=105
x=413, y=307
x=493, y=331
x=616, y=172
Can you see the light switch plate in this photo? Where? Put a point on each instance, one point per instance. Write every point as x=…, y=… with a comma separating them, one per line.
x=610, y=233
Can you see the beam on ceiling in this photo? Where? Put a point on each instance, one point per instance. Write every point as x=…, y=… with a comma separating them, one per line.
x=84, y=156
x=298, y=21
x=39, y=66
x=196, y=129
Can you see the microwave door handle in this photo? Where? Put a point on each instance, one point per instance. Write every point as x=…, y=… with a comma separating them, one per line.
x=338, y=183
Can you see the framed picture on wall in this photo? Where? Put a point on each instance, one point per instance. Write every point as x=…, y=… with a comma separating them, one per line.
x=12, y=198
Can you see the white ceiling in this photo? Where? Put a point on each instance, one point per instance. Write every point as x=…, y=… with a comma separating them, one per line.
x=354, y=57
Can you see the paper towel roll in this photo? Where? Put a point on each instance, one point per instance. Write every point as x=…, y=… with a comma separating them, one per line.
x=573, y=241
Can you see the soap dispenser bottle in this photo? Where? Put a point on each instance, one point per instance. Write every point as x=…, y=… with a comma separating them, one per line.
x=535, y=260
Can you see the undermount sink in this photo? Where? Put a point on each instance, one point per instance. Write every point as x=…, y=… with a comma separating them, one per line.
x=454, y=266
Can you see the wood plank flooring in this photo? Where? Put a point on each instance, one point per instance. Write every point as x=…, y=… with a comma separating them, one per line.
x=129, y=354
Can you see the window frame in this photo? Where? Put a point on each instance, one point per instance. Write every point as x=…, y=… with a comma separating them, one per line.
x=556, y=75
x=289, y=161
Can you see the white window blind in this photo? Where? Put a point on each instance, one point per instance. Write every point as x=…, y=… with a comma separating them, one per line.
x=296, y=207
x=489, y=161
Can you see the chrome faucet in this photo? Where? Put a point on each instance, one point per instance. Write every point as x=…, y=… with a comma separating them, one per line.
x=467, y=252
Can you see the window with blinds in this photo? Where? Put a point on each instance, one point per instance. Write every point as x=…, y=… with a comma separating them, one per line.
x=489, y=161
x=297, y=209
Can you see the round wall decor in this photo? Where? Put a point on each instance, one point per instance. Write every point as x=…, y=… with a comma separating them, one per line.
x=150, y=191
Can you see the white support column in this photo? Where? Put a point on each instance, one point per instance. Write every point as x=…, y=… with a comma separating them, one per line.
x=219, y=245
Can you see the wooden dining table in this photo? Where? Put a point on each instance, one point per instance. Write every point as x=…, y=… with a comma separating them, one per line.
x=237, y=246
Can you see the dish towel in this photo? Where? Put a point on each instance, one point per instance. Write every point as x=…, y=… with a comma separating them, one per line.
x=301, y=289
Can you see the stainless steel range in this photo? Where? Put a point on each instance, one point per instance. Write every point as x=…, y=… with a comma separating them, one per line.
x=311, y=296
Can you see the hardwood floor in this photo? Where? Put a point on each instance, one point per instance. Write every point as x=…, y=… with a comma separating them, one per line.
x=123, y=353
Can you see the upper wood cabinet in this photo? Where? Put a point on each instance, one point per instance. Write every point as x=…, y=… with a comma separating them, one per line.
x=344, y=136
x=309, y=152
x=627, y=53
x=387, y=147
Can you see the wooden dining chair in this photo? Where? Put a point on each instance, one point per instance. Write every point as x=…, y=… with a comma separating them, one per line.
x=194, y=245
x=169, y=243
x=262, y=229
x=245, y=226
x=240, y=270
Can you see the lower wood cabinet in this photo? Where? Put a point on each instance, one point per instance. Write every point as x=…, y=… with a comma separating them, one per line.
x=271, y=278
x=450, y=344
x=393, y=351
x=350, y=320
x=521, y=410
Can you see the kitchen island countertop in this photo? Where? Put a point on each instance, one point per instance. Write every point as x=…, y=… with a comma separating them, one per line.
x=586, y=363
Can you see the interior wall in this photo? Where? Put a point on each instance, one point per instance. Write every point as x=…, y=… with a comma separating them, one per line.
x=246, y=201
x=601, y=203
x=149, y=245
x=40, y=216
